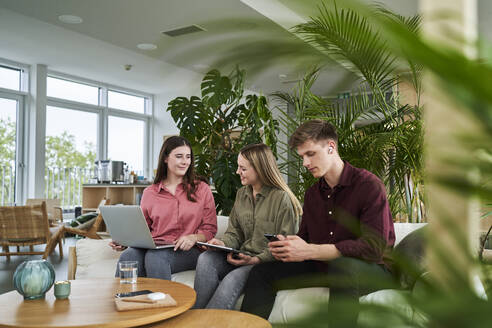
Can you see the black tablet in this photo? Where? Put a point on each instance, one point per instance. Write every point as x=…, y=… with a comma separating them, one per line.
x=222, y=248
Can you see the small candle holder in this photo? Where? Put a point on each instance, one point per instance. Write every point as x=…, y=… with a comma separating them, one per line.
x=62, y=289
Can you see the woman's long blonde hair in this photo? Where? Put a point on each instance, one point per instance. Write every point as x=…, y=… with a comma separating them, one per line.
x=260, y=156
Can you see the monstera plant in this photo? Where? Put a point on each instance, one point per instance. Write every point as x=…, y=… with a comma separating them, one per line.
x=218, y=124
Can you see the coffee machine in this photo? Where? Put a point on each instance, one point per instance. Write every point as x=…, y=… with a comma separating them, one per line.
x=117, y=171
x=108, y=171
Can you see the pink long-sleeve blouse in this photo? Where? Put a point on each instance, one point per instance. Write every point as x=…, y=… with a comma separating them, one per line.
x=172, y=216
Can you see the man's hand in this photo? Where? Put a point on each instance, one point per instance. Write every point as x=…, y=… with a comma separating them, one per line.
x=185, y=243
x=290, y=249
x=242, y=260
x=295, y=249
x=117, y=247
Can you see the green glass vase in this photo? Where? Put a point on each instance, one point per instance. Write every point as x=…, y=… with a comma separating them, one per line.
x=32, y=279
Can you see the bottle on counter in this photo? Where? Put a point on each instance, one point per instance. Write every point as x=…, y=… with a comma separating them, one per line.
x=126, y=176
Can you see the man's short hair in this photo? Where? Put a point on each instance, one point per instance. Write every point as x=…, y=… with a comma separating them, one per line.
x=315, y=130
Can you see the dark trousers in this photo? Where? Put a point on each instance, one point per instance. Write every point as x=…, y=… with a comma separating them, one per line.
x=347, y=278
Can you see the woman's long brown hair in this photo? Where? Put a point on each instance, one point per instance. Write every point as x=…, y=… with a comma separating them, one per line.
x=189, y=183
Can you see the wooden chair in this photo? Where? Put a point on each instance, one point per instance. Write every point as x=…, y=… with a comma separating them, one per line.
x=91, y=232
x=28, y=226
x=53, y=207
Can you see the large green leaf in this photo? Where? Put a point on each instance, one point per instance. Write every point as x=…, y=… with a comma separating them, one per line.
x=217, y=89
x=191, y=117
x=226, y=180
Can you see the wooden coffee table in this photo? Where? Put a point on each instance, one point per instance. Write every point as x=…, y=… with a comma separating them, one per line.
x=213, y=318
x=91, y=304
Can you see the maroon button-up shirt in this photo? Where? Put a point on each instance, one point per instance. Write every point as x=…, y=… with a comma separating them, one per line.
x=354, y=216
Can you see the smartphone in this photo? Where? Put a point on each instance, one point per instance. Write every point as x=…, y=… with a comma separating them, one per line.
x=271, y=237
x=130, y=294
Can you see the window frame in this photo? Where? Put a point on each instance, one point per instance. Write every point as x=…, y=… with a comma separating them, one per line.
x=22, y=123
x=129, y=93
x=24, y=76
x=64, y=78
x=104, y=112
x=25, y=120
x=20, y=187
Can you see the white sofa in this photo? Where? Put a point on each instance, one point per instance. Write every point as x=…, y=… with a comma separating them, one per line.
x=92, y=258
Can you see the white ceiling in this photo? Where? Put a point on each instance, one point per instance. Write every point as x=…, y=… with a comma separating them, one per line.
x=106, y=40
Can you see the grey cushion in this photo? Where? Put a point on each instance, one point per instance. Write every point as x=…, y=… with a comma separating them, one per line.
x=409, y=257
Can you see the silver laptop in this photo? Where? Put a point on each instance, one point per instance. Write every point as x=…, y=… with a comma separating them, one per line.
x=127, y=226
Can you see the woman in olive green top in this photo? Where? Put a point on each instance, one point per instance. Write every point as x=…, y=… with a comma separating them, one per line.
x=264, y=205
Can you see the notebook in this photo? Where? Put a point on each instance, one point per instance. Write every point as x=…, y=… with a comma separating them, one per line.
x=128, y=227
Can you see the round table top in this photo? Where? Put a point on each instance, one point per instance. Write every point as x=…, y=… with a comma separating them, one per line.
x=213, y=318
x=91, y=304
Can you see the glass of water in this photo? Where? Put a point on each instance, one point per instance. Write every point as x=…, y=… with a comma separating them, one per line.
x=128, y=272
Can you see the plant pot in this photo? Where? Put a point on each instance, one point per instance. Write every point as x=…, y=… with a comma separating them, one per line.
x=32, y=279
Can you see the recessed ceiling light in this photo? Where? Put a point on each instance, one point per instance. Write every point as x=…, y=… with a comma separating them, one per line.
x=146, y=46
x=70, y=19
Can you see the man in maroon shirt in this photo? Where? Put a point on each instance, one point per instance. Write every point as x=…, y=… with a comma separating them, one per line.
x=344, y=240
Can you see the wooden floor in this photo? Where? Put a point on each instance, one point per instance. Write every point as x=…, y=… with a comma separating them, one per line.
x=7, y=268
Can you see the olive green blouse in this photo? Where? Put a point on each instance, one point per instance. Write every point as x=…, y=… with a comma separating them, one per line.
x=272, y=212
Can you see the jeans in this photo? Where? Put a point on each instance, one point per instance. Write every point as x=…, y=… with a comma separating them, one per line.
x=160, y=263
x=211, y=292
x=347, y=278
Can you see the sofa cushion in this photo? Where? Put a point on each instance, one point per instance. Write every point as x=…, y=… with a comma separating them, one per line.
x=294, y=303
x=409, y=258
x=95, y=259
x=397, y=299
x=403, y=229
x=184, y=277
x=222, y=222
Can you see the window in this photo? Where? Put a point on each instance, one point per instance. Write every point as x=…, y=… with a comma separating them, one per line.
x=74, y=91
x=85, y=120
x=8, y=141
x=10, y=78
x=126, y=142
x=71, y=148
x=125, y=101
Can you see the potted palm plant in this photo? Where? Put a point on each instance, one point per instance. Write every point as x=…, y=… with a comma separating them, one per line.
x=377, y=131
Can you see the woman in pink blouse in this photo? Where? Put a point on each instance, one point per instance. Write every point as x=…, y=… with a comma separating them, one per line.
x=178, y=209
